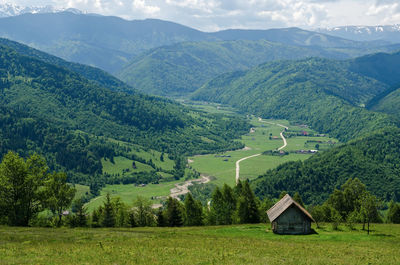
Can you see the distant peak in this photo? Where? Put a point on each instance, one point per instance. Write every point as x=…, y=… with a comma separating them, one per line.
x=10, y=10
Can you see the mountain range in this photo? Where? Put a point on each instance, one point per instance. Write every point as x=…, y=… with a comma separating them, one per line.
x=110, y=42
x=10, y=10
x=388, y=33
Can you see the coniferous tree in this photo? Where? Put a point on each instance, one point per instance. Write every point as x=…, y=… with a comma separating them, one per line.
x=160, y=218
x=216, y=215
x=108, y=214
x=247, y=206
x=174, y=212
x=193, y=211
x=81, y=218
x=229, y=204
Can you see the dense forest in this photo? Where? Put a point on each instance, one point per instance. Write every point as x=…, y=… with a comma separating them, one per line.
x=180, y=69
x=374, y=159
x=71, y=120
x=318, y=92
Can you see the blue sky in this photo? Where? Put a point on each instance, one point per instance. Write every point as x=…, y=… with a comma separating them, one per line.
x=211, y=15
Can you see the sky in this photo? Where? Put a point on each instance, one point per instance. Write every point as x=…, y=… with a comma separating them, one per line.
x=213, y=15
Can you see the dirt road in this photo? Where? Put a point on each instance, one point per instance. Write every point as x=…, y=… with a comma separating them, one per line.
x=280, y=148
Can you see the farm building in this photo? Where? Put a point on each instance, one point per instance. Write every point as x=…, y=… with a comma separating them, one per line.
x=289, y=217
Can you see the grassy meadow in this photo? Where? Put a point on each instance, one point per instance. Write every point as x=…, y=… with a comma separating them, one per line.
x=236, y=244
x=223, y=166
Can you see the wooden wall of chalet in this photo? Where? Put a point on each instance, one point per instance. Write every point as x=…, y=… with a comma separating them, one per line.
x=293, y=222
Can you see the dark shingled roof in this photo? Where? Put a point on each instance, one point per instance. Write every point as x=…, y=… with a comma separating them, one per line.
x=283, y=205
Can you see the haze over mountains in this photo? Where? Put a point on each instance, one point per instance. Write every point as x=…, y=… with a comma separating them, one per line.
x=110, y=42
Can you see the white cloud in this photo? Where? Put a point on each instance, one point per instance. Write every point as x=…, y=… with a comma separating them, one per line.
x=140, y=5
x=212, y=15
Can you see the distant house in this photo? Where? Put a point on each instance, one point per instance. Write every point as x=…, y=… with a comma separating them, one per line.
x=289, y=217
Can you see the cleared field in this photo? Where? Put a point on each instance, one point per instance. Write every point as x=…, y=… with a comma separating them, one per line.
x=238, y=244
x=128, y=193
x=81, y=190
x=265, y=135
x=122, y=163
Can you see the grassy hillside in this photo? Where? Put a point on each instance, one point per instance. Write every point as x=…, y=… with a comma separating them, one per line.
x=374, y=160
x=321, y=93
x=239, y=244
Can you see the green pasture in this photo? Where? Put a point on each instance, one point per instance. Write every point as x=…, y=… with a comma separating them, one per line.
x=235, y=244
x=123, y=163
x=81, y=191
x=223, y=166
x=129, y=192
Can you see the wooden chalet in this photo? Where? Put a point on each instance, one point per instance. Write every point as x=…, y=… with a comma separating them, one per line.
x=289, y=217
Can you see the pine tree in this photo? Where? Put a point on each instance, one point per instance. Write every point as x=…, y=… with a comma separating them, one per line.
x=160, y=218
x=81, y=219
x=108, y=214
x=193, y=211
x=174, y=212
x=229, y=204
x=247, y=206
x=217, y=208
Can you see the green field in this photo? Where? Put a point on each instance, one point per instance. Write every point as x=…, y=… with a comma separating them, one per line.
x=264, y=136
x=236, y=244
x=122, y=163
x=256, y=141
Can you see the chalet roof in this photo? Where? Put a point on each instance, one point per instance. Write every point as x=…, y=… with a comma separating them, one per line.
x=283, y=205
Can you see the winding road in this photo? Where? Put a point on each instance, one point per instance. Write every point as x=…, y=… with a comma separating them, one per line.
x=247, y=157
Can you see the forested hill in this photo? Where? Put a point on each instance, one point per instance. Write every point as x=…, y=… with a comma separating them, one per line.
x=105, y=42
x=96, y=75
x=375, y=160
x=179, y=69
x=111, y=42
x=67, y=100
x=319, y=92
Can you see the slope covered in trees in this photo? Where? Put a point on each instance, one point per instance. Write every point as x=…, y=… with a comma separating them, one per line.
x=111, y=42
x=179, y=69
x=374, y=159
x=60, y=114
x=96, y=75
x=319, y=92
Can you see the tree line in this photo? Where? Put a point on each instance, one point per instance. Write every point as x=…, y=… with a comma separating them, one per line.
x=32, y=195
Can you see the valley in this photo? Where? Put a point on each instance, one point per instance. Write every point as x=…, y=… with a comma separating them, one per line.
x=220, y=168
x=125, y=130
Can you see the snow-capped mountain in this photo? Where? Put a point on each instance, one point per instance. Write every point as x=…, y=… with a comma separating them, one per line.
x=9, y=10
x=390, y=33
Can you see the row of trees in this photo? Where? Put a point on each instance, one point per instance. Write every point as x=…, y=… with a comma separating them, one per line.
x=352, y=203
x=227, y=206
